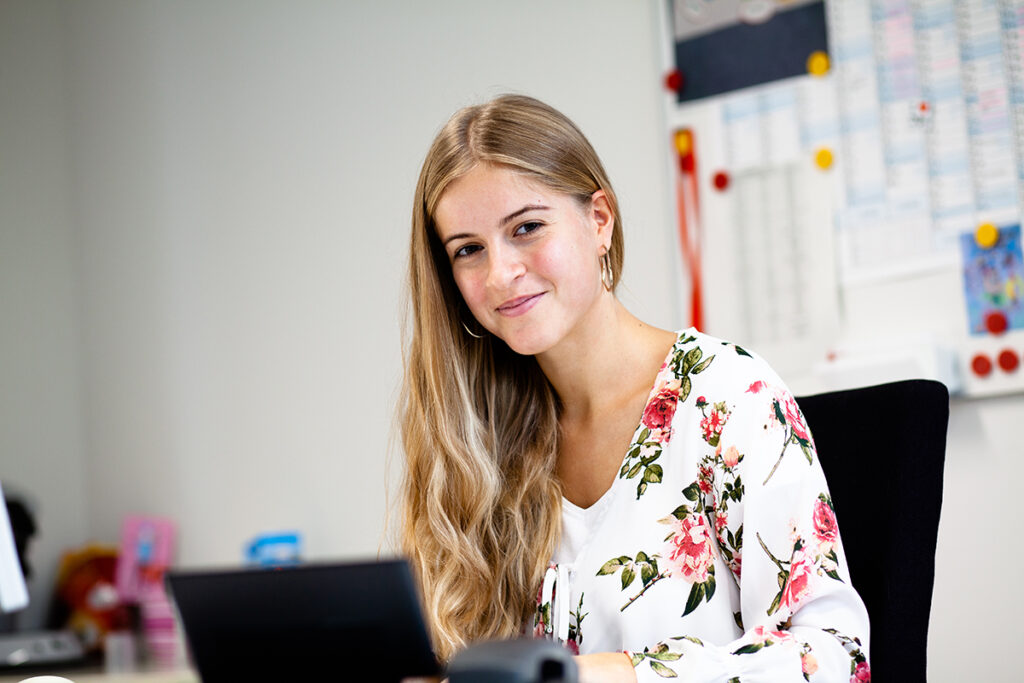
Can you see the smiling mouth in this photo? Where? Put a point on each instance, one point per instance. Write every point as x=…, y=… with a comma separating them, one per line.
x=519, y=305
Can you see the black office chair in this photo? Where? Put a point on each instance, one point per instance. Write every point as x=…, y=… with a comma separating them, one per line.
x=883, y=449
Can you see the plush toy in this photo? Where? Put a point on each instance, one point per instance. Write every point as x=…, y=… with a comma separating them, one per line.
x=87, y=596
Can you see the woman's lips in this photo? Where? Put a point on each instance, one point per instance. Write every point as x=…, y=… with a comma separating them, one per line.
x=519, y=305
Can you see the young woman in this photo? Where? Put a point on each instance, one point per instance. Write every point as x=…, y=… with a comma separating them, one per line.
x=651, y=499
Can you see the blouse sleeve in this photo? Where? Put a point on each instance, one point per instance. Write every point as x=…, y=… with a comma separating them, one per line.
x=766, y=499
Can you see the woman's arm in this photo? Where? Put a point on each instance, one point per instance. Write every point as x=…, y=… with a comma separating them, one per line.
x=802, y=620
x=606, y=667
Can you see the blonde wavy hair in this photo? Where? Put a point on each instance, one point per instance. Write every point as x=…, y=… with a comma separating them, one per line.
x=481, y=505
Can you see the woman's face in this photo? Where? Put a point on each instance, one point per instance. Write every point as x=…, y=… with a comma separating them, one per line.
x=524, y=257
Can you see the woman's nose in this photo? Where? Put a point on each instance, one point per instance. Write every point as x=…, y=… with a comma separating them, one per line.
x=506, y=265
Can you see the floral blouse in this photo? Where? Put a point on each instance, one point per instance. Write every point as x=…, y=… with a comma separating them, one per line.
x=715, y=554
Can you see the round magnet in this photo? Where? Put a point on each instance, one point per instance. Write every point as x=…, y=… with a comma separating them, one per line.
x=986, y=235
x=756, y=11
x=818, y=63
x=981, y=365
x=996, y=322
x=823, y=158
x=674, y=80
x=686, y=164
x=684, y=142
x=720, y=180
x=1008, y=360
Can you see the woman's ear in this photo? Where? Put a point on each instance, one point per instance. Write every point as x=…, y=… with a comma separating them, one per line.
x=603, y=217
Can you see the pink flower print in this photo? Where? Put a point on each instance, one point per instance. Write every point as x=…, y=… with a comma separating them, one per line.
x=689, y=550
x=825, y=528
x=731, y=456
x=571, y=645
x=705, y=477
x=763, y=636
x=660, y=410
x=754, y=388
x=737, y=564
x=721, y=521
x=808, y=664
x=794, y=417
x=862, y=674
x=760, y=634
x=798, y=586
x=712, y=424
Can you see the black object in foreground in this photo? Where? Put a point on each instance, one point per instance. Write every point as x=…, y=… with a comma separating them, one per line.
x=343, y=622
x=513, y=661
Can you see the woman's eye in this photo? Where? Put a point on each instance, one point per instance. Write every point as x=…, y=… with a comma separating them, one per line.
x=527, y=228
x=467, y=250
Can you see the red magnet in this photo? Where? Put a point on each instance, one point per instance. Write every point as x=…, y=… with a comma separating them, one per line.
x=721, y=180
x=981, y=365
x=686, y=163
x=1008, y=360
x=674, y=80
x=996, y=323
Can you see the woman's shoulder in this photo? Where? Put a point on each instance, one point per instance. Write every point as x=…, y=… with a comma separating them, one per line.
x=724, y=367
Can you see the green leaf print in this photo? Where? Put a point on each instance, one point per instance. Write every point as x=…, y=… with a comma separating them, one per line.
x=634, y=470
x=612, y=565
x=692, y=492
x=663, y=654
x=647, y=572
x=779, y=415
x=702, y=366
x=685, y=386
x=681, y=512
x=697, y=592
x=662, y=670
x=628, y=575
x=749, y=649
x=691, y=358
x=653, y=474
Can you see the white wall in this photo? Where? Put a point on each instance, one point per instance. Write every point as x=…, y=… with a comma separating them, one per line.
x=41, y=446
x=226, y=231
x=243, y=175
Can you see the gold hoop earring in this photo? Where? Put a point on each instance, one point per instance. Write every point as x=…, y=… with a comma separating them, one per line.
x=607, y=278
x=470, y=332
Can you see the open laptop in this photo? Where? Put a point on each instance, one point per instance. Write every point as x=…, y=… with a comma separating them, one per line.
x=345, y=622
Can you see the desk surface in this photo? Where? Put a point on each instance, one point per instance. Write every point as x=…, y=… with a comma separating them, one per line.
x=97, y=676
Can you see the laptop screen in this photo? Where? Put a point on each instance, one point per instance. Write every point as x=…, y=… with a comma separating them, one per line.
x=13, y=592
x=357, y=621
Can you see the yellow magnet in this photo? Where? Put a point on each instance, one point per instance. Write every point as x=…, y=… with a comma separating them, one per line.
x=986, y=235
x=823, y=158
x=684, y=142
x=818, y=64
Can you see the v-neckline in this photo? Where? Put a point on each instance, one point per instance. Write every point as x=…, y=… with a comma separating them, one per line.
x=651, y=395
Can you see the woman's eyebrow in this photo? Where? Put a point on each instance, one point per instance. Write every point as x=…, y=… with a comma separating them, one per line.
x=516, y=214
x=504, y=221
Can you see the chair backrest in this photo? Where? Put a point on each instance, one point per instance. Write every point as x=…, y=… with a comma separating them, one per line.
x=882, y=449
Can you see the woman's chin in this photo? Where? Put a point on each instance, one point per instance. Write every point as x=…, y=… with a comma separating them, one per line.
x=526, y=344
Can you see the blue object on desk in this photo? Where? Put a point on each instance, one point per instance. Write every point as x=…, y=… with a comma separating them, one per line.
x=279, y=549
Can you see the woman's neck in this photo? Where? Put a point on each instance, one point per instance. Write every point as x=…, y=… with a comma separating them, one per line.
x=604, y=362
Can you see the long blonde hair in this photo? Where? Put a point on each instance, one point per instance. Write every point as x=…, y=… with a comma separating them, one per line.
x=479, y=423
